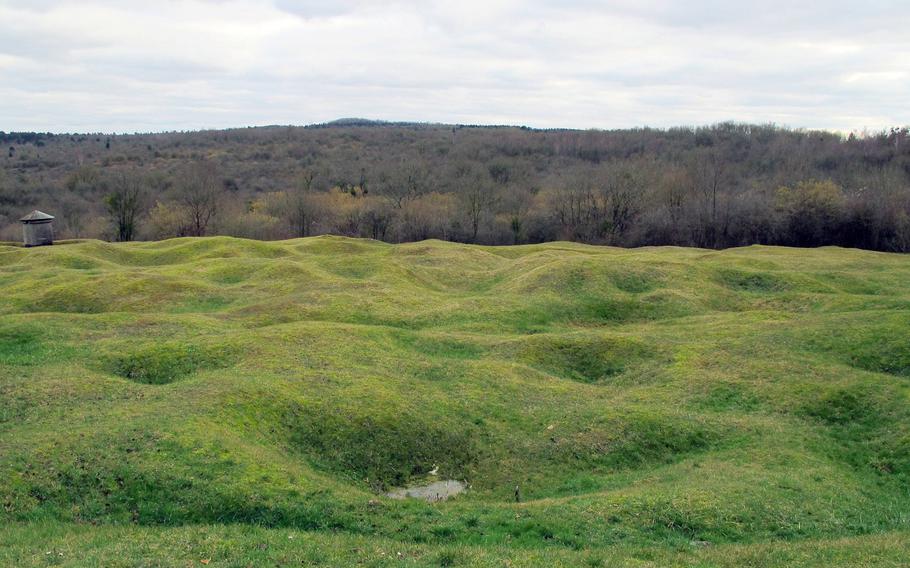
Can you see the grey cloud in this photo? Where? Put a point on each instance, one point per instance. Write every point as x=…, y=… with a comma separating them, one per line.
x=125, y=66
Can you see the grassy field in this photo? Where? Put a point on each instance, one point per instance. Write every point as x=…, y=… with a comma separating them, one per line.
x=227, y=402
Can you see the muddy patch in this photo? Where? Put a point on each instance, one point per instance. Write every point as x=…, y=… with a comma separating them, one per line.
x=437, y=491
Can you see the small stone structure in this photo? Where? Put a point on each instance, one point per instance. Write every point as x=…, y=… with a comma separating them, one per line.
x=37, y=229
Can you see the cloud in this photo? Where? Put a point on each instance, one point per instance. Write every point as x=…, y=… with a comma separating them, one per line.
x=102, y=65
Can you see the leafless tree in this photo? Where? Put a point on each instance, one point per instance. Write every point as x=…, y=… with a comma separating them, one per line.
x=402, y=184
x=199, y=189
x=125, y=202
x=708, y=173
x=301, y=207
x=476, y=192
x=621, y=200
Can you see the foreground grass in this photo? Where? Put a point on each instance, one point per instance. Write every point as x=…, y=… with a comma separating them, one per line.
x=663, y=406
x=219, y=545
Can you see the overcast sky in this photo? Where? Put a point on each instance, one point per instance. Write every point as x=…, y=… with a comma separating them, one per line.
x=174, y=65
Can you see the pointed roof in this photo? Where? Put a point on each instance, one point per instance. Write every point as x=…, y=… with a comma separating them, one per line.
x=36, y=216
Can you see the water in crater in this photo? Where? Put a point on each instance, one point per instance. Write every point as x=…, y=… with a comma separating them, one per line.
x=436, y=491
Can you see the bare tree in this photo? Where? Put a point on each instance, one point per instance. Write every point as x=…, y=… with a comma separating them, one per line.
x=709, y=176
x=476, y=191
x=378, y=218
x=402, y=184
x=577, y=206
x=621, y=201
x=198, y=191
x=125, y=202
x=301, y=206
x=478, y=200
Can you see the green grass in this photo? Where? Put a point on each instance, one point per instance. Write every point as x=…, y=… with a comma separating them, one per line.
x=206, y=399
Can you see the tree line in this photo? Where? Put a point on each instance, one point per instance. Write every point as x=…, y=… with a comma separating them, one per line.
x=719, y=186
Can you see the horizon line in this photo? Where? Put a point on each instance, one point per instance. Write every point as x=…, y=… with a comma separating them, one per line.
x=360, y=122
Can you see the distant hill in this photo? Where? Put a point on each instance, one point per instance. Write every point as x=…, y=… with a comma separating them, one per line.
x=353, y=122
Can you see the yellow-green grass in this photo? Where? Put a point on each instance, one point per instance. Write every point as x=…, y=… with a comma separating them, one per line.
x=653, y=406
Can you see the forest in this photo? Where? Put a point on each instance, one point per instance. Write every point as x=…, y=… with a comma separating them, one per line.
x=718, y=186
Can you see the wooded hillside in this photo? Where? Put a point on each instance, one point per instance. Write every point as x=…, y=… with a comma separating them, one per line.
x=719, y=186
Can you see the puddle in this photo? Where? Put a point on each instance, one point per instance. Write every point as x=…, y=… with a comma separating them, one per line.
x=437, y=491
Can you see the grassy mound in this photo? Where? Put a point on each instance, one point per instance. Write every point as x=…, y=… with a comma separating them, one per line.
x=652, y=407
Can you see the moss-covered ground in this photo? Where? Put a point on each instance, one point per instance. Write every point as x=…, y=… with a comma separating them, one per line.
x=229, y=402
